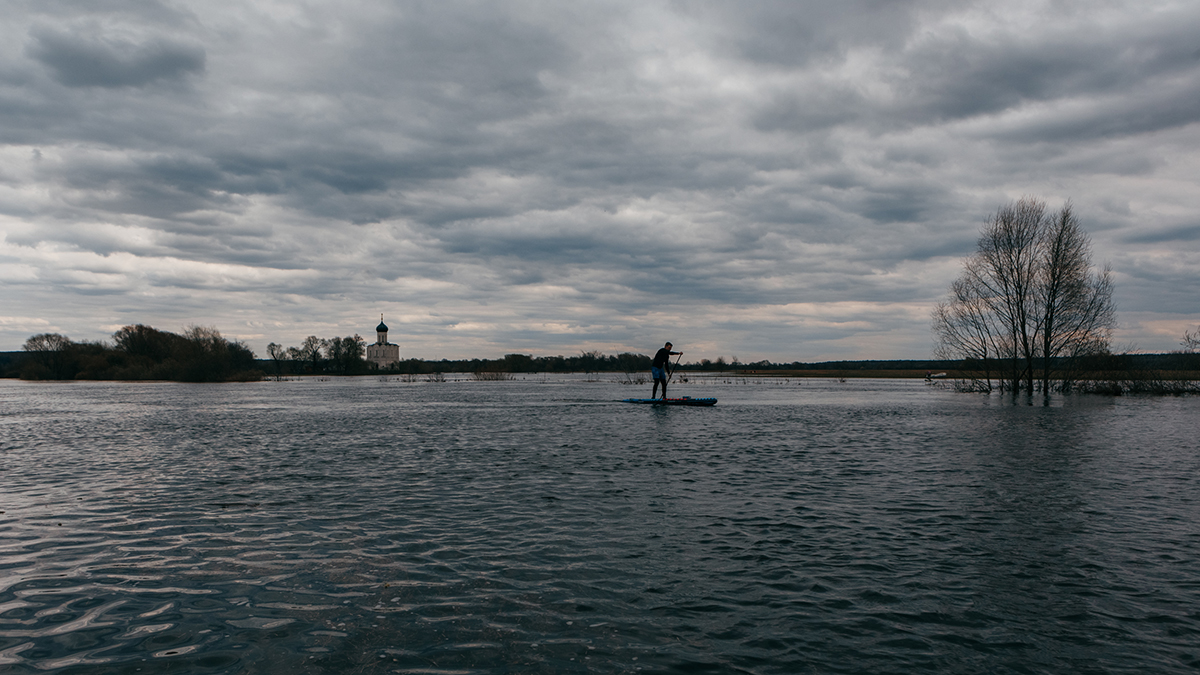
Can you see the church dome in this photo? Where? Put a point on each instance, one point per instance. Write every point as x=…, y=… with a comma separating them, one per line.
x=381, y=328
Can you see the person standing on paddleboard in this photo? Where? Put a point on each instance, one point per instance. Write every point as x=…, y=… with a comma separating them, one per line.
x=658, y=368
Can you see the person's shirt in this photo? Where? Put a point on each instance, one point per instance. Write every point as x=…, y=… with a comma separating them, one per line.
x=661, y=358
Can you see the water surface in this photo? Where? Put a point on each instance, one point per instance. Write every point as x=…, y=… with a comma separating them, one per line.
x=539, y=526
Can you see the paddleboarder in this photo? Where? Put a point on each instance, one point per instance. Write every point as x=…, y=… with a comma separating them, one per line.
x=658, y=368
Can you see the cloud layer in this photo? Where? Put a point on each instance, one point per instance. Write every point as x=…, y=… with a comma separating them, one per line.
x=784, y=180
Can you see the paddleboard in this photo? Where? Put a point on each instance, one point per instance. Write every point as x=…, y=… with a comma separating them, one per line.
x=686, y=400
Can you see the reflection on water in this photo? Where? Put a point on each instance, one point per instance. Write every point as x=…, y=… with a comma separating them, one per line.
x=364, y=525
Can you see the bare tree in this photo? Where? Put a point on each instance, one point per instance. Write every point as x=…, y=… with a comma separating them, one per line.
x=966, y=328
x=345, y=353
x=48, y=350
x=354, y=348
x=310, y=351
x=206, y=340
x=278, y=354
x=1191, y=340
x=1007, y=274
x=1075, y=306
x=45, y=343
x=1027, y=300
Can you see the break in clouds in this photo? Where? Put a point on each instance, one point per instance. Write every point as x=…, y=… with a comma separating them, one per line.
x=779, y=180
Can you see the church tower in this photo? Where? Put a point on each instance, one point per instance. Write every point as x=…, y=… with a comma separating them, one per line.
x=382, y=353
x=381, y=332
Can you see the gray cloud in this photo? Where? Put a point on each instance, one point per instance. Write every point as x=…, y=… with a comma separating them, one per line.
x=788, y=34
x=83, y=58
x=1187, y=232
x=778, y=180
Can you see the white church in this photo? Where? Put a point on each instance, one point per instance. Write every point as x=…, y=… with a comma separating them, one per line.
x=382, y=353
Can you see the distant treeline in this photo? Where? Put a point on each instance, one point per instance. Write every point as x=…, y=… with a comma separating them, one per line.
x=202, y=355
x=1170, y=362
x=596, y=362
x=1101, y=373
x=137, y=353
x=335, y=356
x=586, y=362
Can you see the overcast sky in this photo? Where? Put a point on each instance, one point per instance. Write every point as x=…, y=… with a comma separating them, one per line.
x=771, y=180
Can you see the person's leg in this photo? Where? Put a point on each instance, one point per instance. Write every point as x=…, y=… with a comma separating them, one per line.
x=658, y=376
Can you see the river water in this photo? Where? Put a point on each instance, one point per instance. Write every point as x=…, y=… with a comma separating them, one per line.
x=369, y=525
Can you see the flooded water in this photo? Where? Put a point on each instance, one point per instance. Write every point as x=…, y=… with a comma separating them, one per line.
x=539, y=526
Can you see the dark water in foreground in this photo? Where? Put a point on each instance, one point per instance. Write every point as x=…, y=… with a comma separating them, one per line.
x=528, y=527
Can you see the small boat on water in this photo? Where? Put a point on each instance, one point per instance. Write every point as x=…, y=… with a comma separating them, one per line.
x=686, y=400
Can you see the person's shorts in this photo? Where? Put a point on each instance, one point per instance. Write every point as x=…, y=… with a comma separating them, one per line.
x=657, y=373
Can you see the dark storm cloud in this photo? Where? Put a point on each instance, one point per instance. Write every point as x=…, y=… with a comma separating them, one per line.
x=160, y=187
x=82, y=58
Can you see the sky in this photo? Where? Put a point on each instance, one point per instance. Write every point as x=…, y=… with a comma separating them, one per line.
x=791, y=181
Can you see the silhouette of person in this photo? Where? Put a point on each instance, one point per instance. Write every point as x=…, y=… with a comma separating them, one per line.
x=659, y=368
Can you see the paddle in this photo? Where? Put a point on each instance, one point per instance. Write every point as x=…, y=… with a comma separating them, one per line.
x=671, y=372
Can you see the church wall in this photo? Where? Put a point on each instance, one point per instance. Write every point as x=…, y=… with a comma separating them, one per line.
x=383, y=355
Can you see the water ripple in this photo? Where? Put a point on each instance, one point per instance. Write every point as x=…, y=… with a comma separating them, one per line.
x=365, y=526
